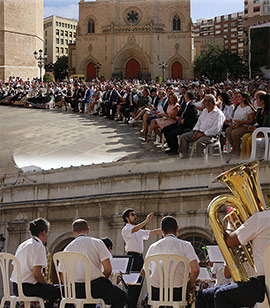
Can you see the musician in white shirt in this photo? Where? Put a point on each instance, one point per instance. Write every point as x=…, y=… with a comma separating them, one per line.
x=170, y=244
x=31, y=255
x=206, y=130
x=242, y=294
x=99, y=256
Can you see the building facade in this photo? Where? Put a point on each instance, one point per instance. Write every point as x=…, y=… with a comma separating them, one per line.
x=255, y=8
x=21, y=33
x=230, y=27
x=130, y=39
x=59, y=32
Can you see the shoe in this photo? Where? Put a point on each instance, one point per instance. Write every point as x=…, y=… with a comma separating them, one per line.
x=170, y=151
x=95, y=113
x=132, y=121
x=147, y=138
x=119, y=119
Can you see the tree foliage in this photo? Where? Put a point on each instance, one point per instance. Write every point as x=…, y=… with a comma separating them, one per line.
x=217, y=64
x=61, y=68
x=48, y=77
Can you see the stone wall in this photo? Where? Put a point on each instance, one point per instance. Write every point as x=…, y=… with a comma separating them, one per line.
x=100, y=193
x=21, y=33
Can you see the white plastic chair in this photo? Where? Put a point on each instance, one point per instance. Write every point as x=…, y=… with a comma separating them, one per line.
x=5, y=261
x=166, y=265
x=68, y=261
x=209, y=149
x=257, y=142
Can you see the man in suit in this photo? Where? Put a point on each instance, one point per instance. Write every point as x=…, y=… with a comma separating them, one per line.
x=77, y=95
x=186, y=120
x=111, y=103
x=87, y=97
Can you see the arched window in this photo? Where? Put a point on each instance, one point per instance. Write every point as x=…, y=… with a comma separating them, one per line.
x=199, y=242
x=91, y=26
x=176, y=23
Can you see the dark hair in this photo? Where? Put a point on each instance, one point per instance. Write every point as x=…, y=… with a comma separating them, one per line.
x=126, y=214
x=108, y=242
x=147, y=91
x=169, y=224
x=79, y=225
x=38, y=225
x=266, y=99
x=226, y=99
x=153, y=90
x=184, y=87
x=246, y=98
x=190, y=94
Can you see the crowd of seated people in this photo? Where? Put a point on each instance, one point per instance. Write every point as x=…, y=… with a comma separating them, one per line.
x=198, y=111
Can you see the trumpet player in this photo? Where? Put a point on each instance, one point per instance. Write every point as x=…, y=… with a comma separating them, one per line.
x=242, y=294
x=31, y=255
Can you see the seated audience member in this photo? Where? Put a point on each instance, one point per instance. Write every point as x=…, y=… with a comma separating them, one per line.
x=111, y=103
x=99, y=256
x=86, y=98
x=185, y=122
x=206, y=130
x=262, y=120
x=242, y=118
x=95, y=102
x=144, y=101
x=170, y=244
x=152, y=113
x=164, y=119
x=200, y=101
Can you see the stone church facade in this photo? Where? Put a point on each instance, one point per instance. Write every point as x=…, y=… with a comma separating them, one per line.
x=131, y=38
x=21, y=33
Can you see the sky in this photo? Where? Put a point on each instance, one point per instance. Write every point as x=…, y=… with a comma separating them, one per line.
x=199, y=8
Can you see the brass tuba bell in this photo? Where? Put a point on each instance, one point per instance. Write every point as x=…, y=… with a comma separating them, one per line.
x=247, y=200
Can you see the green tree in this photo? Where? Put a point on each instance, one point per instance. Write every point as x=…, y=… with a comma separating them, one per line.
x=217, y=64
x=48, y=77
x=61, y=68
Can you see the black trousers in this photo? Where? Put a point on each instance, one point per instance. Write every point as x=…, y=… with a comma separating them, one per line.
x=125, y=110
x=102, y=288
x=134, y=291
x=235, y=295
x=48, y=292
x=171, y=132
x=110, y=106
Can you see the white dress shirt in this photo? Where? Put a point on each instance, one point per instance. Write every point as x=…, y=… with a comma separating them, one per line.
x=171, y=245
x=29, y=254
x=95, y=250
x=257, y=230
x=134, y=241
x=210, y=123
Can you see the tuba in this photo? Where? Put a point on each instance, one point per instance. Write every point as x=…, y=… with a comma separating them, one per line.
x=247, y=199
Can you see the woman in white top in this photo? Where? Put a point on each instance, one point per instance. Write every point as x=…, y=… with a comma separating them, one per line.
x=199, y=103
x=243, y=117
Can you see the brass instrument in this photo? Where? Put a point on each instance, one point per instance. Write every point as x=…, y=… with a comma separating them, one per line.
x=247, y=200
x=47, y=270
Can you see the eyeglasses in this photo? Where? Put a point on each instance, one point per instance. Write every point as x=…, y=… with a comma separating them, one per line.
x=133, y=214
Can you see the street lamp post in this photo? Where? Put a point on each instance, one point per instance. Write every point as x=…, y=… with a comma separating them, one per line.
x=41, y=58
x=98, y=67
x=163, y=66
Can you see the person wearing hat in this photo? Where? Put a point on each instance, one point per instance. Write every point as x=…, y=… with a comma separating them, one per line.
x=134, y=235
x=206, y=130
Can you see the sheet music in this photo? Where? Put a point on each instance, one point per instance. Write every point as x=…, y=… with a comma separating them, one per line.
x=204, y=274
x=215, y=254
x=119, y=265
x=131, y=278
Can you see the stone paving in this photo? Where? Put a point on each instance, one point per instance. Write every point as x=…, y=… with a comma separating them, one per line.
x=54, y=139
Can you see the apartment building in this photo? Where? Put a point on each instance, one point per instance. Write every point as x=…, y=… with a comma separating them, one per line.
x=59, y=32
x=230, y=27
x=257, y=8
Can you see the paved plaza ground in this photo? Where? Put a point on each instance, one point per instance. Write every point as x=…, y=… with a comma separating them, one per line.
x=54, y=139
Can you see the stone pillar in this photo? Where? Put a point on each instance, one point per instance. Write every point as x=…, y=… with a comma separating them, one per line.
x=116, y=234
x=17, y=233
